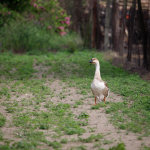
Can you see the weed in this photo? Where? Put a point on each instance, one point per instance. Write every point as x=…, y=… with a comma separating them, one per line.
x=6, y=147
x=1, y=135
x=98, y=106
x=107, y=141
x=97, y=144
x=95, y=107
x=2, y=120
x=82, y=147
x=54, y=144
x=139, y=138
x=75, y=106
x=145, y=148
x=44, y=126
x=10, y=109
x=119, y=146
x=78, y=102
x=83, y=123
x=83, y=115
x=25, y=145
x=64, y=141
x=122, y=126
x=91, y=138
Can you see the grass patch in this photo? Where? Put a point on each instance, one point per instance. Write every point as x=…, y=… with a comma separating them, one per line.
x=2, y=120
x=98, y=105
x=91, y=138
x=82, y=147
x=28, y=98
x=119, y=146
x=83, y=115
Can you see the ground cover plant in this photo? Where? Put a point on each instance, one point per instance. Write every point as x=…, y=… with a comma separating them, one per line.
x=41, y=116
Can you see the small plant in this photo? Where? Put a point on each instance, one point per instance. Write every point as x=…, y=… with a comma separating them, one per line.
x=2, y=120
x=10, y=109
x=98, y=106
x=54, y=144
x=122, y=126
x=97, y=144
x=91, y=138
x=83, y=115
x=119, y=146
x=139, y=138
x=95, y=107
x=83, y=123
x=44, y=126
x=107, y=141
x=64, y=141
x=82, y=147
x=75, y=106
x=1, y=136
x=78, y=102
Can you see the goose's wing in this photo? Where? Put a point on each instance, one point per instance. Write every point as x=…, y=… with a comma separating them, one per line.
x=105, y=90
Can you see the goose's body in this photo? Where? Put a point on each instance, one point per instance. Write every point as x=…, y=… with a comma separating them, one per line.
x=98, y=86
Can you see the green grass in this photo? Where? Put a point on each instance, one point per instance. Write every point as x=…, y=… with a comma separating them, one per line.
x=2, y=120
x=119, y=146
x=91, y=138
x=38, y=112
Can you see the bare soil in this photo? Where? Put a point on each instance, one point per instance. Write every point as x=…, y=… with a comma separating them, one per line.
x=98, y=121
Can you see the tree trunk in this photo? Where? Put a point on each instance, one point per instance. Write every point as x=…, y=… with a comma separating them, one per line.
x=131, y=30
x=123, y=24
x=115, y=24
x=149, y=39
x=144, y=35
x=88, y=30
x=79, y=15
x=94, y=23
x=107, y=20
x=99, y=35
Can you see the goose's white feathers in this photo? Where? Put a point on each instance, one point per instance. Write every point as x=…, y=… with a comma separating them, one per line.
x=98, y=86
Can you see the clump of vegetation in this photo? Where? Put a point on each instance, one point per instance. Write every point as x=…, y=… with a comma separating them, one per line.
x=34, y=26
x=33, y=39
x=2, y=120
x=91, y=138
x=119, y=146
x=83, y=115
x=98, y=105
x=64, y=141
x=54, y=144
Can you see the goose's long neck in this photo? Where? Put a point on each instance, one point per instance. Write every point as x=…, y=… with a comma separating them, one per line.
x=97, y=71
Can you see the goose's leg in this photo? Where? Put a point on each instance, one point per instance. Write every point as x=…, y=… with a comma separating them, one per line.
x=95, y=102
x=104, y=99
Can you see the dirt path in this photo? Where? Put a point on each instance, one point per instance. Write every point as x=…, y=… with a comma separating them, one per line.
x=98, y=121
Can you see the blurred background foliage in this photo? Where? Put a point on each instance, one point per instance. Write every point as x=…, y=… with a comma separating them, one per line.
x=122, y=26
x=35, y=25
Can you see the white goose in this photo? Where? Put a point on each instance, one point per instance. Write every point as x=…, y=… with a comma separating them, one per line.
x=98, y=86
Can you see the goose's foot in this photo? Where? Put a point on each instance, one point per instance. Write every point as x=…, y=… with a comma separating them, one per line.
x=95, y=102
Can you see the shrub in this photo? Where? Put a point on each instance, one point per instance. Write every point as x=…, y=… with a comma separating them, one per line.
x=29, y=36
